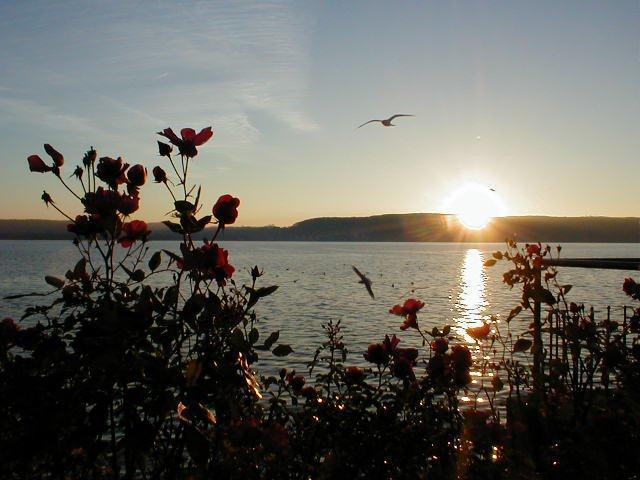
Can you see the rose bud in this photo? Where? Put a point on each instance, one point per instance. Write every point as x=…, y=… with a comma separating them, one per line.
x=57, y=157
x=46, y=198
x=296, y=383
x=36, y=164
x=256, y=272
x=159, y=175
x=89, y=157
x=137, y=175
x=164, y=149
x=226, y=209
x=78, y=172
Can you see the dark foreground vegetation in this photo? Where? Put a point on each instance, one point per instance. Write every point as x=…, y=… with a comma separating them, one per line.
x=118, y=379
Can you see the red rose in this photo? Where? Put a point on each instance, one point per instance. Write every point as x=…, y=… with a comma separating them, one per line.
x=221, y=269
x=159, y=175
x=537, y=262
x=462, y=377
x=402, y=368
x=134, y=231
x=112, y=171
x=128, y=204
x=376, y=353
x=296, y=383
x=533, y=249
x=309, y=392
x=226, y=209
x=102, y=201
x=85, y=226
x=8, y=330
x=10, y=324
x=461, y=356
x=410, y=306
x=209, y=261
x=353, y=375
x=189, y=141
x=630, y=287
x=410, y=321
x=57, y=157
x=409, y=311
x=437, y=366
x=137, y=175
x=410, y=354
x=36, y=164
x=440, y=345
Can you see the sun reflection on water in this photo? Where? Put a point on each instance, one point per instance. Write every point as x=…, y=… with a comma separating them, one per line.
x=472, y=300
x=471, y=306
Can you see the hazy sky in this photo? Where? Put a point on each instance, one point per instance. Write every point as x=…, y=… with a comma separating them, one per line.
x=540, y=100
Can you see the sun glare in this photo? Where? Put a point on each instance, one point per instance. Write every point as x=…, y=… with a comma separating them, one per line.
x=474, y=205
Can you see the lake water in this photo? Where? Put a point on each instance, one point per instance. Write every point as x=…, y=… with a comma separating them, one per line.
x=317, y=284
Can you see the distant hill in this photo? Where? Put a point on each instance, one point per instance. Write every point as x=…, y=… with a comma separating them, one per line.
x=413, y=227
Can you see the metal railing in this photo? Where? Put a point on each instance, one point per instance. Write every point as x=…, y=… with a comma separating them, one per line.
x=627, y=264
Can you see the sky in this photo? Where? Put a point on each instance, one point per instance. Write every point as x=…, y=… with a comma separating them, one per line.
x=539, y=100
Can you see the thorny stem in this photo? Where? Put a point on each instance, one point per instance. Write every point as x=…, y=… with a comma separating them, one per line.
x=175, y=169
x=171, y=192
x=185, y=169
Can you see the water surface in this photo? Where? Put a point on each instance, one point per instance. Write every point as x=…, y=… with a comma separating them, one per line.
x=317, y=284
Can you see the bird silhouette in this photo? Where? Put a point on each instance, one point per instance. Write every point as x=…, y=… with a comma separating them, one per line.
x=387, y=122
x=364, y=280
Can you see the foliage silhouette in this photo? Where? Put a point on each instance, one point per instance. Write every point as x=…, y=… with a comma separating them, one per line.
x=121, y=378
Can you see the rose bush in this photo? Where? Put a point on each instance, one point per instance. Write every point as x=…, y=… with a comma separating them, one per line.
x=144, y=364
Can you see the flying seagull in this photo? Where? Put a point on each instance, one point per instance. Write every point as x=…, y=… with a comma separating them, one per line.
x=387, y=122
x=364, y=280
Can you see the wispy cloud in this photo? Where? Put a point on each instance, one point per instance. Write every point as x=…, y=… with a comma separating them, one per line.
x=28, y=111
x=153, y=62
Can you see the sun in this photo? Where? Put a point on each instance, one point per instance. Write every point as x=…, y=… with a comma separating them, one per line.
x=474, y=205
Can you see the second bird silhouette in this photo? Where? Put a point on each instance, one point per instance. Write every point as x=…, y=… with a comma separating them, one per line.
x=364, y=280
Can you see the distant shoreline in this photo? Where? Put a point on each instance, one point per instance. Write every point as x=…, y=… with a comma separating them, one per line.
x=413, y=227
